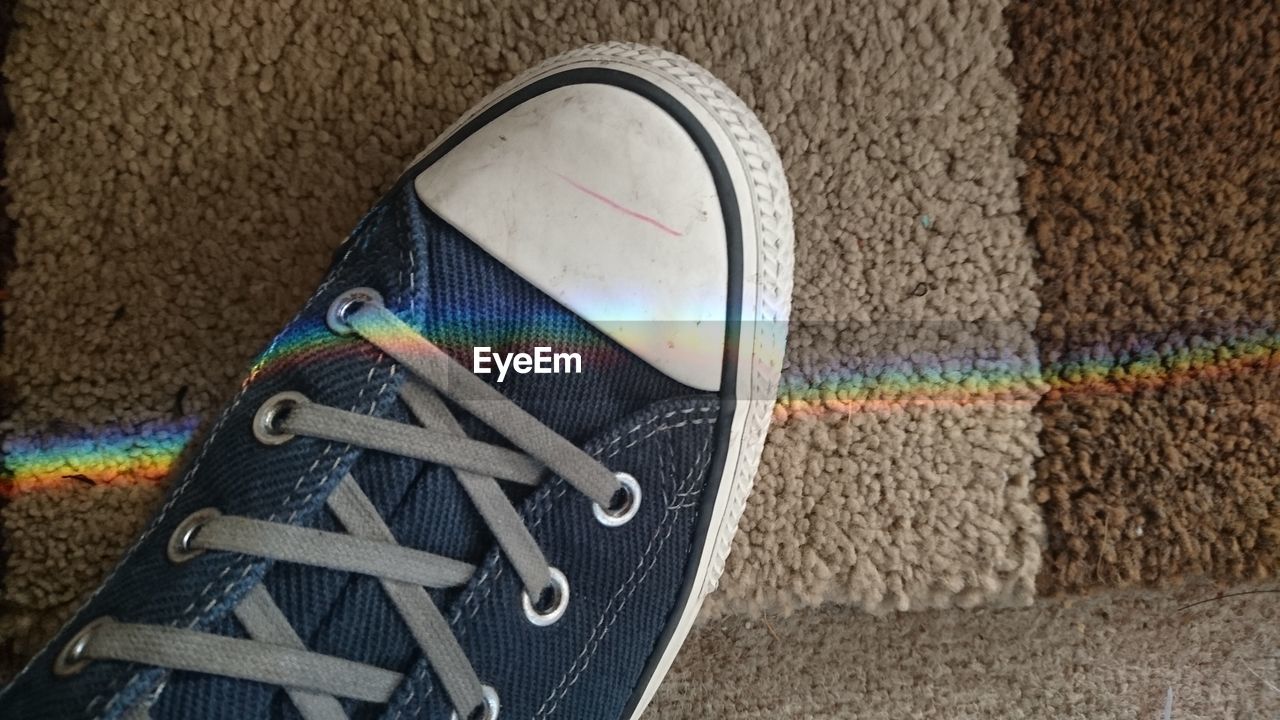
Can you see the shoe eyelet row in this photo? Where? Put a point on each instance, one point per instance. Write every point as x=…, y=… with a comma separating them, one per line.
x=548, y=613
x=266, y=422
x=625, y=508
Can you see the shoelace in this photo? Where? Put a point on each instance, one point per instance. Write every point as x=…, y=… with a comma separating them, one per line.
x=274, y=653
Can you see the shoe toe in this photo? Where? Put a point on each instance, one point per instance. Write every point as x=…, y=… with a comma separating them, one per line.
x=603, y=199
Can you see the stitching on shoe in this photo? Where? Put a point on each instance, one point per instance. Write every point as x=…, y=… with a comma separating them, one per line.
x=365, y=229
x=648, y=423
x=612, y=612
x=542, y=505
x=589, y=650
x=402, y=231
x=485, y=584
x=391, y=373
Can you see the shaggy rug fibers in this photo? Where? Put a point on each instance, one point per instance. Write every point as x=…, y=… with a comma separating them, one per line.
x=1149, y=132
x=182, y=172
x=1116, y=656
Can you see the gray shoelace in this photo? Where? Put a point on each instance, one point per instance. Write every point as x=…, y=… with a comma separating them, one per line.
x=274, y=653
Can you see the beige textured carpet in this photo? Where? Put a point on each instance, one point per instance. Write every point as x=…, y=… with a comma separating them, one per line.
x=182, y=173
x=1120, y=656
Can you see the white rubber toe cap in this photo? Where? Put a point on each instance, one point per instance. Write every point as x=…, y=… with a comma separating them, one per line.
x=598, y=197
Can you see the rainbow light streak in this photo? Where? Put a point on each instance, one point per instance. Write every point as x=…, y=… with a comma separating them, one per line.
x=145, y=453
x=845, y=392
x=308, y=345
x=125, y=455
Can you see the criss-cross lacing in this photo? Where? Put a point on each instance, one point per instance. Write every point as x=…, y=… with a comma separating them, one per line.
x=274, y=653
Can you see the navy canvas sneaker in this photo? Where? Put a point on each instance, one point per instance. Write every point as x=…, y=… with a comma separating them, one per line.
x=494, y=465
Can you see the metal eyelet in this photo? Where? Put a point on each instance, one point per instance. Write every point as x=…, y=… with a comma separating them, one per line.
x=625, y=510
x=71, y=659
x=490, y=707
x=180, y=550
x=559, y=589
x=346, y=303
x=267, y=420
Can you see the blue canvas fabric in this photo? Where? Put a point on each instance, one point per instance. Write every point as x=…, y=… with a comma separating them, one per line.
x=624, y=581
x=587, y=665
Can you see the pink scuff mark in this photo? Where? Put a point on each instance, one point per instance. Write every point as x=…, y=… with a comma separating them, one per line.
x=625, y=210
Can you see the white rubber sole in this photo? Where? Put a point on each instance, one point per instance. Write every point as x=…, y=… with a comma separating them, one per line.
x=764, y=207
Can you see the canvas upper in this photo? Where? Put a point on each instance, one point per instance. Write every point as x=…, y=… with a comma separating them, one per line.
x=625, y=581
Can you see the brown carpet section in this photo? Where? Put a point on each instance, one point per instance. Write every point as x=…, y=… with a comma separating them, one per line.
x=65, y=543
x=1116, y=656
x=7, y=229
x=1152, y=187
